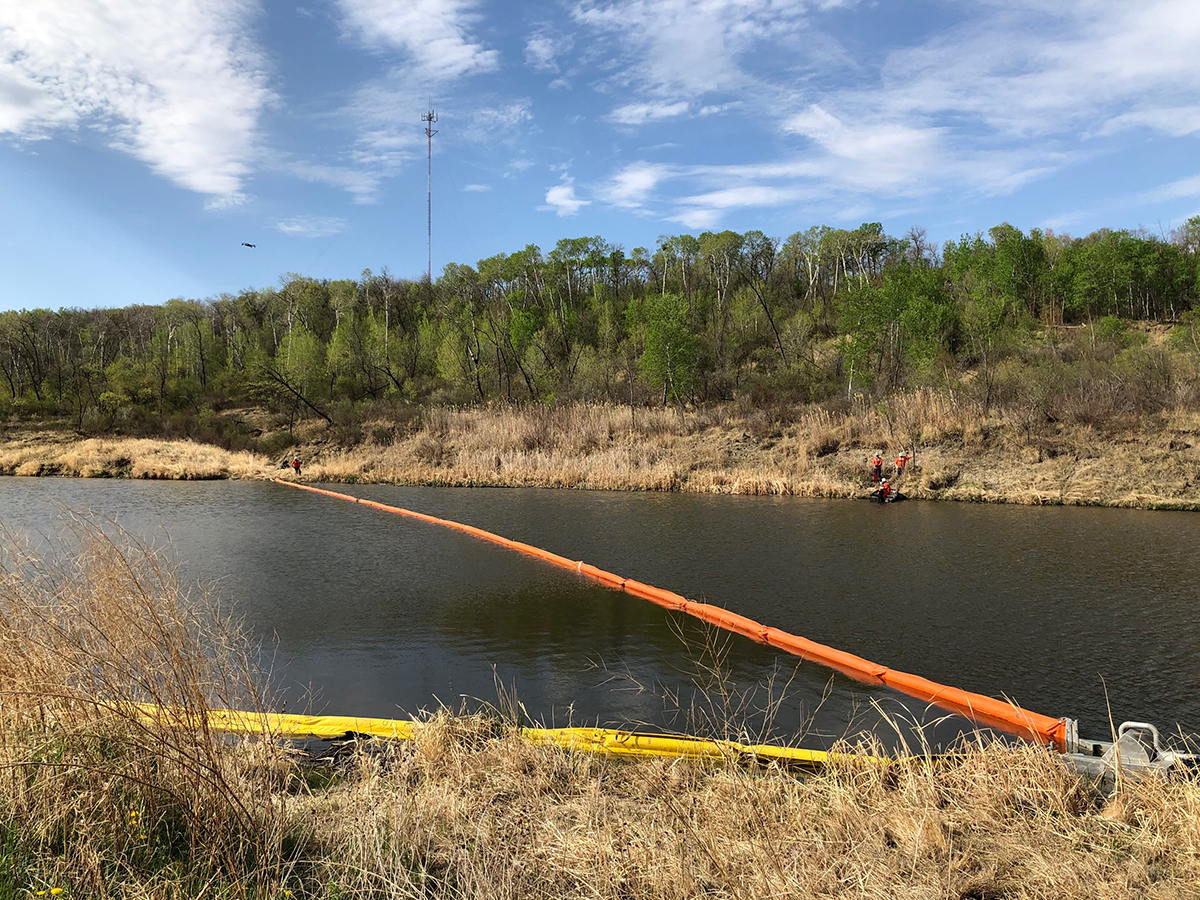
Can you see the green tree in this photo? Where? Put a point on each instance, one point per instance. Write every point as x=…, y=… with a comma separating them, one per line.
x=296, y=377
x=900, y=325
x=670, y=352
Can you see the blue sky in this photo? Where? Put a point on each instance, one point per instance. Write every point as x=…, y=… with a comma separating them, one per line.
x=141, y=142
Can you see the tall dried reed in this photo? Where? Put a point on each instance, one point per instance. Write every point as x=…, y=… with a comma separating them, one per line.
x=1021, y=450
x=96, y=793
x=470, y=810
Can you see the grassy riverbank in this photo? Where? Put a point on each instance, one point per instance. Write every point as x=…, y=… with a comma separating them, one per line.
x=49, y=452
x=95, y=801
x=1148, y=461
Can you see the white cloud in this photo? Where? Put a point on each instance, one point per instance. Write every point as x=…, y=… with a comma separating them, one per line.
x=705, y=210
x=1175, y=121
x=1067, y=219
x=386, y=116
x=561, y=198
x=640, y=113
x=630, y=187
x=225, y=201
x=684, y=49
x=179, y=86
x=1028, y=68
x=476, y=188
x=1175, y=190
x=1000, y=101
x=311, y=226
x=543, y=47
x=697, y=219
x=433, y=34
x=360, y=183
x=850, y=166
x=1018, y=90
x=437, y=48
x=25, y=108
x=888, y=154
x=750, y=195
x=540, y=53
x=489, y=123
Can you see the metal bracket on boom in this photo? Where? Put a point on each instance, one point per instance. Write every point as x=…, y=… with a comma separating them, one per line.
x=1071, y=737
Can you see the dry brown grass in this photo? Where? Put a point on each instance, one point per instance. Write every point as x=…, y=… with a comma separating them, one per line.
x=98, y=801
x=1151, y=462
x=61, y=453
x=93, y=795
x=470, y=810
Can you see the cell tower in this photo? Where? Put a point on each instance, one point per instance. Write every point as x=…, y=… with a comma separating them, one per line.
x=429, y=118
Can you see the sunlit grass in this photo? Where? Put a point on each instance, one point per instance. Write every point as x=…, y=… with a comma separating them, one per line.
x=813, y=452
x=54, y=453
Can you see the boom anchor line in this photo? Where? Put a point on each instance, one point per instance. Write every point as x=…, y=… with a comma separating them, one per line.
x=1002, y=715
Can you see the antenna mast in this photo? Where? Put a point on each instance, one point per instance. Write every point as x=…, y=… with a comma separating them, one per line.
x=429, y=118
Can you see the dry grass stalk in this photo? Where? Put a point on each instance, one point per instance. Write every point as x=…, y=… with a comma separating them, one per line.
x=471, y=811
x=101, y=794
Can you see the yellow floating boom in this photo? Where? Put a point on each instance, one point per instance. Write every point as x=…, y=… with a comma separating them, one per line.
x=592, y=740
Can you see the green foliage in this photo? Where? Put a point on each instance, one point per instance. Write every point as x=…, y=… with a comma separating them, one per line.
x=671, y=351
x=524, y=324
x=1119, y=273
x=301, y=359
x=904, y=321
x=719, y=315
x=1186, y=335
x=1114, y=330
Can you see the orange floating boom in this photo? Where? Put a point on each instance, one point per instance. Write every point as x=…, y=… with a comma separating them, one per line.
x=998, y=714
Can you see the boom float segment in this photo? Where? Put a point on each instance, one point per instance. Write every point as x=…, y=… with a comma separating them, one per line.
x=998, y=714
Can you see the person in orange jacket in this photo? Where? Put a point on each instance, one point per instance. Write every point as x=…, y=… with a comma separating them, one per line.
x=296, y=464
x=902, y=458
x=885, y=491
x=877, y=468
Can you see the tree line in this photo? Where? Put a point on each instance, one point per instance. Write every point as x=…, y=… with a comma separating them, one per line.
x=822, y=314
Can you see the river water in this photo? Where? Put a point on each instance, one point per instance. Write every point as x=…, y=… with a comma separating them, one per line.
x=1066, y=611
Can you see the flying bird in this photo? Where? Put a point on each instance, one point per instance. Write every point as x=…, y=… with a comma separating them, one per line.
x=244, y=244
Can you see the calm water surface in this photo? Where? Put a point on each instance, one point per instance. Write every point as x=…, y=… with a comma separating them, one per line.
x=382, y=615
